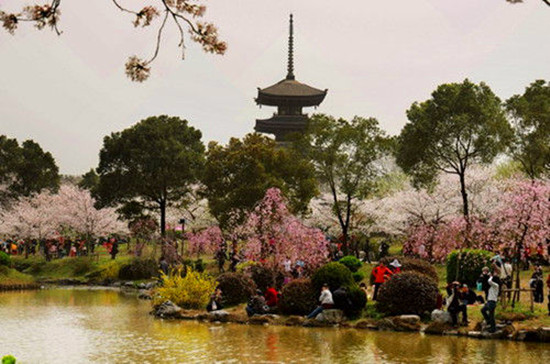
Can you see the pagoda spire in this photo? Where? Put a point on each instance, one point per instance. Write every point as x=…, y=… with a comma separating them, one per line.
x=290, y=67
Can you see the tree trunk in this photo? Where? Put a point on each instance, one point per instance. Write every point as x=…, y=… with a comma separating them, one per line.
x=465, y=208
x=162, y=206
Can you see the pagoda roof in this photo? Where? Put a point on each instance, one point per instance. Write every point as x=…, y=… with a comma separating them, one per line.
x=281, y=125
x=290, y=90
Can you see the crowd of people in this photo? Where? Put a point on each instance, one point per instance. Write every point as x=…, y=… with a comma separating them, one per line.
x=60, y=247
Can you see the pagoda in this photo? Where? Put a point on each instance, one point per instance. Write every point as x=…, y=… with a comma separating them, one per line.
x=290, y=96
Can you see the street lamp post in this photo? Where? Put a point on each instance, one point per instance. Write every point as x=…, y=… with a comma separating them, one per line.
x=182, y=222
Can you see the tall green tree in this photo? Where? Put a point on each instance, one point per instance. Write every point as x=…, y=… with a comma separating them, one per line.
x=26, y=169
x=530, y=115
x=89, y=181
x=461, y=124
x=150, y=165
x=345, y=155
x=237, y=176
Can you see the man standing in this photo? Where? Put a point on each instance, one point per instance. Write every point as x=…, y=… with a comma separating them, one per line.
x=488, y=310
x=380, y=274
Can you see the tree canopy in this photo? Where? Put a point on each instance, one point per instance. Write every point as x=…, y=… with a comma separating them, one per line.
x=461, y=124
x=237, y=176
x=345, y=155
x=150, y=165
x=530, y=115
x=26, y=169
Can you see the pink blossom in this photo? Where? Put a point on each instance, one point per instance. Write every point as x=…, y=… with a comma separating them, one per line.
x=272, y=235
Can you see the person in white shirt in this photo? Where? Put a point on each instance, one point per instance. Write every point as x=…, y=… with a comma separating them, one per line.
x=325, y=302
x=488, y=310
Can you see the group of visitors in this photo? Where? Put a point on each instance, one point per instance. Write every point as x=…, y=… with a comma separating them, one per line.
x=60, y=247
x=263, y=303
x=259, y=304
x=491, y=282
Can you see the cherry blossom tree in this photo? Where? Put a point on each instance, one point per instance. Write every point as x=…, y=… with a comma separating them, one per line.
x=194, y=209
x=76, y=210
x=206, y=241
x=523, y=221
x=520, y=222
x=272, y=235
x=33, y=217
x=185, y=14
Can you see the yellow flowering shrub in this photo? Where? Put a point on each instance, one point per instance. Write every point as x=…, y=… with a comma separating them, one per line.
x=110, y=271
x=190, y=291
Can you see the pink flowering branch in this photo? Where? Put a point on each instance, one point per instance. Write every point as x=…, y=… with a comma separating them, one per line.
x=182, y=12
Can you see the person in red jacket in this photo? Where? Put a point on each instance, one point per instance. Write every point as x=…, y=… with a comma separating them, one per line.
x=380, y=274
x=271, y=297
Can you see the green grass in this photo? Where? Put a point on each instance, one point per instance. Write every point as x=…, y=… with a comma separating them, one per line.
x=10, y=276
x=66, y=268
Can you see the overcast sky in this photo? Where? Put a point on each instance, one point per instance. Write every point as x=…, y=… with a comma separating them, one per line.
x=375, y=57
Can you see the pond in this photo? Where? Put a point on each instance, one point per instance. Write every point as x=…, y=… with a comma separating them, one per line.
x=108, y=326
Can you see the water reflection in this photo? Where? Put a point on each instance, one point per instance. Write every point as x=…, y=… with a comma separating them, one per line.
x=78, y=326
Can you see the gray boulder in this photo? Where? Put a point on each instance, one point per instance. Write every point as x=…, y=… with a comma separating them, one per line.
x=167, y=309
x=544, y=334
x=411, y=319
x=144, y=295
x=218, y=315
x=331, y=316
x=442, y=317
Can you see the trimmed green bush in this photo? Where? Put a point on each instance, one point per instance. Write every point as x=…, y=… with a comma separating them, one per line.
x=351, y=262
x=407, y=293
x=471, y=263
x=265, y=277
x=334, y=274
x=137, y=269
x=414, y=265
x=8, y=359
x=5, y=259
x=298, y=297
x=236, y=287
x=358, y=276
x=358, y=300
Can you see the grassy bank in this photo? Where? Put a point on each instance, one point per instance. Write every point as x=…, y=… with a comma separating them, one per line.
x=81, y=269
x=11, y=277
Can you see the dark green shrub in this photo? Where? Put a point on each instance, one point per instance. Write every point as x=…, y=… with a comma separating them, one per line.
x=22, y=264
x=334, y=274
x=358, y=276
x=358, y=300
x=265, y=277
x=5, y=259
x=81, y=266
x=471, y=263
x=199, y=265
x=414, y=265
x=137, y=269
x=298, y=297
x=407, y=293
x=351, y=262
x=236, y=287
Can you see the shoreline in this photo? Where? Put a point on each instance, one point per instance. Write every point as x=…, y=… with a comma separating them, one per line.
x=403, y=323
